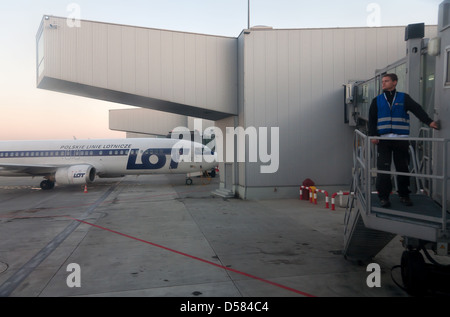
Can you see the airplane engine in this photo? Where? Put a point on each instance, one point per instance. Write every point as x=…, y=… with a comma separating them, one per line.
x=76, y=174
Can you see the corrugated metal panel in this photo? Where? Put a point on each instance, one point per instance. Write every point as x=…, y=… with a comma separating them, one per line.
x=200, y=71
x=84, y=54
x=145, y=121
x=143, y=56
x=155, y=65
x=179, y=67
x=293, y=80
x=190, y=82
x=114, y=57
x=100, y=55
x=129, y=61
x=175, y=67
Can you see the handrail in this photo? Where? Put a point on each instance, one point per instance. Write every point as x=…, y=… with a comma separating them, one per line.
x=364, y=172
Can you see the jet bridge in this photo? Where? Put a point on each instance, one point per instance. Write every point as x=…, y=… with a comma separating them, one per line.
x=425, y=225
x=424, y=74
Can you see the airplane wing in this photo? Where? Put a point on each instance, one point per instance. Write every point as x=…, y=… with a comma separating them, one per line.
x=32, y=170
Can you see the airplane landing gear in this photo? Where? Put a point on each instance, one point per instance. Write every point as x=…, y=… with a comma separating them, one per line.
x=47, y=184
x=421, y=278
x=413, y=272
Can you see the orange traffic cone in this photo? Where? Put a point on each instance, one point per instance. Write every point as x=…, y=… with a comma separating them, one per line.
x=85, y=189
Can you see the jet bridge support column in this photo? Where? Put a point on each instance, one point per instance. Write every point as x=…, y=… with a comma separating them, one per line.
x=414, y=34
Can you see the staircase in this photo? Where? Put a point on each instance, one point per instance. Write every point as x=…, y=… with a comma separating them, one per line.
x=224, y=193
x=369, y=227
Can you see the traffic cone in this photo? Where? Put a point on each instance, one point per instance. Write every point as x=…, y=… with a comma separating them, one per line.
x=85, y=189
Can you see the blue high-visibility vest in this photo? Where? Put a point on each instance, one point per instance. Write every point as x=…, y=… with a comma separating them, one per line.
x=392, y=119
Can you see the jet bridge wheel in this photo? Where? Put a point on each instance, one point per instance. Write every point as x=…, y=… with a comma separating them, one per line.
x=47, y=184
x=414, y=271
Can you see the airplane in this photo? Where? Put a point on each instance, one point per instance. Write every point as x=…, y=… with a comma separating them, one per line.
x=67, y=162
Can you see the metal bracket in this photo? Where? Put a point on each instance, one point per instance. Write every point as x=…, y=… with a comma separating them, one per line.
x=442, y=242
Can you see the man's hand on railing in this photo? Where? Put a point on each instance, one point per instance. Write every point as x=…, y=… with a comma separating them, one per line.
x=435, y=125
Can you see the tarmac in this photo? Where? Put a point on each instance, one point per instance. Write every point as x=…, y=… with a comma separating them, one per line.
x=154, y=236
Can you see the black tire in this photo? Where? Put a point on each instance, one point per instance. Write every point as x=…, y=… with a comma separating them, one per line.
x=188, y=181
x=414, y=273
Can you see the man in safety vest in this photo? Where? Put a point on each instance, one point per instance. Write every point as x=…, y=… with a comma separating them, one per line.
x=388, y=117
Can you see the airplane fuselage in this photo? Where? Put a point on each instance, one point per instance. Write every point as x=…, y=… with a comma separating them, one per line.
x=108, y=158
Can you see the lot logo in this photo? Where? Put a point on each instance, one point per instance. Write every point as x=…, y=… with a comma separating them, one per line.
x=151, y=159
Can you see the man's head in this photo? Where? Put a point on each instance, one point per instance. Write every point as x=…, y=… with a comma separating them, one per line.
x=389, y=82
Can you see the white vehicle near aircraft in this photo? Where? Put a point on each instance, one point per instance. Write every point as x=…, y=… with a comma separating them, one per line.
x=81, y=161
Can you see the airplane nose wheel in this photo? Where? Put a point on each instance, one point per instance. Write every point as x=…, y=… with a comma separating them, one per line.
x=188, y=181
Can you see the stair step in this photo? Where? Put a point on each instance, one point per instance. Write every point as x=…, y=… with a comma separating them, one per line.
x=224, y=193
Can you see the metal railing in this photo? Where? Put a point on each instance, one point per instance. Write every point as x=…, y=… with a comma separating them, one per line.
x=365, y=172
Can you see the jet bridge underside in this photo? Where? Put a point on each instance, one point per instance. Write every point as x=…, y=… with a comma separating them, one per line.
x=63, y=86
x=366, y=234
x=362, y=243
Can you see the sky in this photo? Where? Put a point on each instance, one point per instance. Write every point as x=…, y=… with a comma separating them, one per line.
x=29, y=113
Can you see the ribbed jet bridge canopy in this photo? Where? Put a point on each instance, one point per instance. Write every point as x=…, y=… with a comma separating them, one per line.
x=183, y=73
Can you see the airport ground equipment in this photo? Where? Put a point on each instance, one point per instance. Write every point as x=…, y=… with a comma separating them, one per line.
x=425, y=226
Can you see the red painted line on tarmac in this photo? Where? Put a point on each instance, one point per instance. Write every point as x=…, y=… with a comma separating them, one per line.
x=31, y=217
x=196, y=258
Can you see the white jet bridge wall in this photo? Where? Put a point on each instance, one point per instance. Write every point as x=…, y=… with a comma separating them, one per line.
x=184, y=73
x=293, y=79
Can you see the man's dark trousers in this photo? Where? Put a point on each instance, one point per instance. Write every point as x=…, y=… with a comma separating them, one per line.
x=399, y=150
